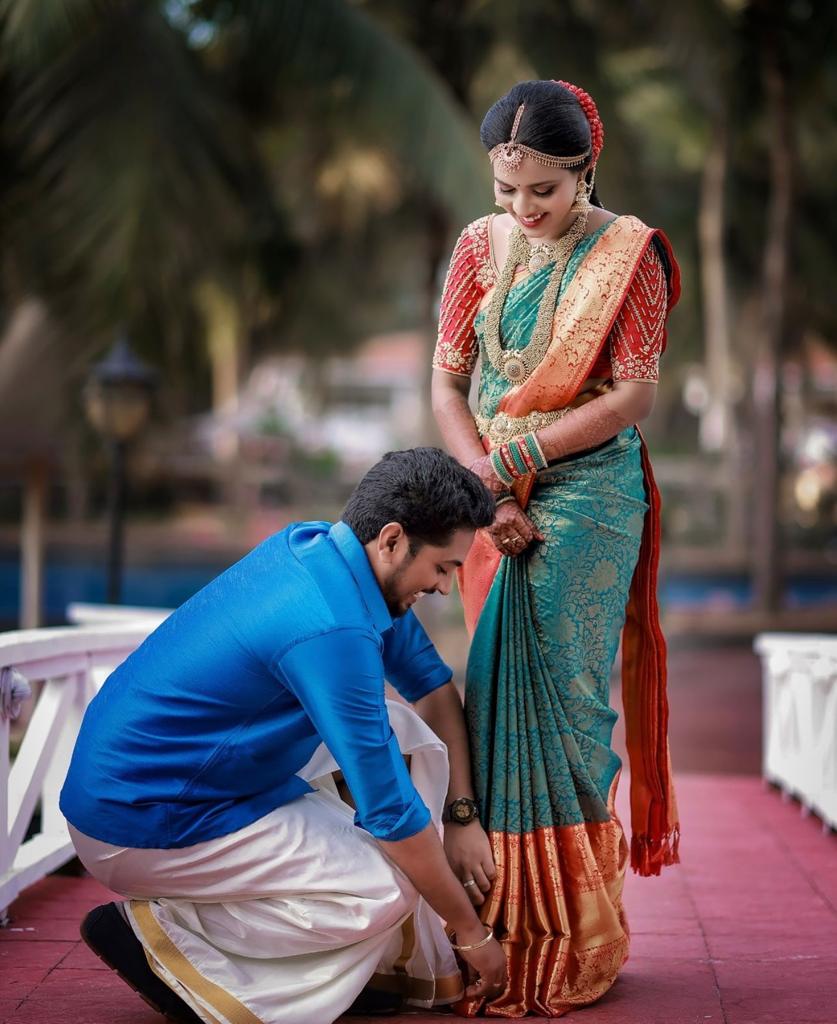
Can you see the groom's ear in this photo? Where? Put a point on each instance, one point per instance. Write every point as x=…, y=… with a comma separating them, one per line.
x=390, y=541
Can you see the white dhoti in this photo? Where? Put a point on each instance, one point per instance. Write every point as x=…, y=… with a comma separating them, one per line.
x=286, y=920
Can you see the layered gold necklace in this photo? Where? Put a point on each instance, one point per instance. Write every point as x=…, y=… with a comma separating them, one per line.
x=517, y=364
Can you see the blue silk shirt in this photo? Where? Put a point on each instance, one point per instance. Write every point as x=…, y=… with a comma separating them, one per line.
x=202, y=729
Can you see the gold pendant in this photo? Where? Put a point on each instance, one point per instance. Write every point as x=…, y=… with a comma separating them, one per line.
x=537, y=260
x=514, y=369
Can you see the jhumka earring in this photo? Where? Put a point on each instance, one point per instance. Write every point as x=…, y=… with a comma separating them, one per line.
x=581, y=203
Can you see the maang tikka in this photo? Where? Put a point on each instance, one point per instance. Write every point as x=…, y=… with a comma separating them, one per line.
x=511, y=153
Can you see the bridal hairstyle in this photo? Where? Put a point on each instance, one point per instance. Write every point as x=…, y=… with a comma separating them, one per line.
x=554, y=123
x=423, y=489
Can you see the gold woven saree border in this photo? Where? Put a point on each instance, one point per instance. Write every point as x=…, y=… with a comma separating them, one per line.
x=583, y=319
x=162, y=947
x=556, y=907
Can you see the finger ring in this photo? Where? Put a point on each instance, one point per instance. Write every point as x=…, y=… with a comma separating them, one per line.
x=469, y=882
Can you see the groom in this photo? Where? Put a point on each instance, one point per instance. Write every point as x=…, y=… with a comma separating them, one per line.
x=253, y=896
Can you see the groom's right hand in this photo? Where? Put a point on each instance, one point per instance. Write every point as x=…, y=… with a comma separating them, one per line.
x=488, y=969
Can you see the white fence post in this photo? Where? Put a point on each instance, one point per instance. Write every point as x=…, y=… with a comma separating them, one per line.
x=71, y=662
x=81, y=693
x=800, y=718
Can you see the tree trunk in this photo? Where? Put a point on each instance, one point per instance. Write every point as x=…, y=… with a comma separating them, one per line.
x=438, y=242
x=766, y=563
x=223, y=331
x=718, y=431
x=32, y=544
x=715, y=422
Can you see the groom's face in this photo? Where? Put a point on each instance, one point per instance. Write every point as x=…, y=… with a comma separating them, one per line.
x=430, y=570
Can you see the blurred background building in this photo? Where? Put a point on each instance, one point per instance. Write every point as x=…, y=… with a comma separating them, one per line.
x=262, y=197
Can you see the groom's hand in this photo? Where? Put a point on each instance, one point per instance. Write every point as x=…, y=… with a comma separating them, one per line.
x=469, y=855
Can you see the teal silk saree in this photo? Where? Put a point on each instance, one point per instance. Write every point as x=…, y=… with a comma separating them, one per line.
x=537, y=703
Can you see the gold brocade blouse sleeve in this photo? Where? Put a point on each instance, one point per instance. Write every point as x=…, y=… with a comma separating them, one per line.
x=638, y=335
x=457, y=347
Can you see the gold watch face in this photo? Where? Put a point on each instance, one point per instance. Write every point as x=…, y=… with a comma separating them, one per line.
x=462, y=811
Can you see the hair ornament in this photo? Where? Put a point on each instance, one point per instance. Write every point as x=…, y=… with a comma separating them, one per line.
x=591, y=112
x=510, y=154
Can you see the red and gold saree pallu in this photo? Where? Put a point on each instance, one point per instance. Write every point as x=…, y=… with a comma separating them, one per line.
x=546, y=628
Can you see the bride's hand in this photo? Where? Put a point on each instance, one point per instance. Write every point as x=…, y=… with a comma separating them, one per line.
x=512, y=530
x=485, y=471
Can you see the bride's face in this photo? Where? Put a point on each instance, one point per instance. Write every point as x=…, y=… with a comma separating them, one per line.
x=538, y=198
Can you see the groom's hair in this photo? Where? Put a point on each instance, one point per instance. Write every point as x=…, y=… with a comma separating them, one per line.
x=424, y=490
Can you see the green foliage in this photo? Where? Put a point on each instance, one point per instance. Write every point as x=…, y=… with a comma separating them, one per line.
x=149, y=146
x=310, y=156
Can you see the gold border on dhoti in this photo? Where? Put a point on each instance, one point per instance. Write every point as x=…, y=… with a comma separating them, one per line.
x=425, y=989
x=162, y=947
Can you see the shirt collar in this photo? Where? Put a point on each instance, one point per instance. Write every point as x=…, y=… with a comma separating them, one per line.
x=358, y=561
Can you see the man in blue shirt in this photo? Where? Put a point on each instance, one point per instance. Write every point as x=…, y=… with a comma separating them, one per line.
x=185, y=793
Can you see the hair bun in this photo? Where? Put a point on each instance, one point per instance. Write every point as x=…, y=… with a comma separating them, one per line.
x=591, y=113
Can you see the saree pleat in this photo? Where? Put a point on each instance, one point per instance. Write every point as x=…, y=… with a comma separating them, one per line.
x=537, y=704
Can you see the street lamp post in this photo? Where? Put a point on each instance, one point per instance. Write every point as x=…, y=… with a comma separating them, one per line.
x=117, y=401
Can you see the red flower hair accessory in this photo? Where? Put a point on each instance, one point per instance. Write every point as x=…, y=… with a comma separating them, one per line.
x=591, y=113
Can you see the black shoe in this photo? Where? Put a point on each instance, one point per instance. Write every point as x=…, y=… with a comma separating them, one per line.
x=111, y=938
x=374, y=1003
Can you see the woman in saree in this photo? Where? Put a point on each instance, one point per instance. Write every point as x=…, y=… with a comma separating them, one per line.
x=565, y=305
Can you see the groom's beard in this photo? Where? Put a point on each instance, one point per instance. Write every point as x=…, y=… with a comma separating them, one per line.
x=390, y=589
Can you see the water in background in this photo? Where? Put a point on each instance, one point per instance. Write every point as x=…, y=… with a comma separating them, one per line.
x=168, y=584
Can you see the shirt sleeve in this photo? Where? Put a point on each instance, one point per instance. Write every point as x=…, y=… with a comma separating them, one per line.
x=638, y=335
x=456, y=346
x=411, y=662
x=338, y=679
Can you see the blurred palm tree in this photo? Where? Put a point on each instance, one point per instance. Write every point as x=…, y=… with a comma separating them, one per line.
x=225, y=173
x=155, y=154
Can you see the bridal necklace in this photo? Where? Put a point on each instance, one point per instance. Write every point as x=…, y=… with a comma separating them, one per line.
x=517, y=364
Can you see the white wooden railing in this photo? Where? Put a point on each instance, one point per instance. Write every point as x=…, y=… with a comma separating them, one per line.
x=800, y=718
x=80, y=613
x=67, y=665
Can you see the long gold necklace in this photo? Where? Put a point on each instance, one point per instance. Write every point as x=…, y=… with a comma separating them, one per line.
x=517, y=364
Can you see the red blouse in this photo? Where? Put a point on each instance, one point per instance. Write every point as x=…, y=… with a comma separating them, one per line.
x=633, y=348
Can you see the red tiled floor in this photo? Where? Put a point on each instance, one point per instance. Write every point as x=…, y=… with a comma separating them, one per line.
x=744, y=931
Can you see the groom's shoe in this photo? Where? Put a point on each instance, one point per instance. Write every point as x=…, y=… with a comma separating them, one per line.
x=111, y=938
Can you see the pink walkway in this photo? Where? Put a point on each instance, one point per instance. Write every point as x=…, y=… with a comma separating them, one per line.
x=743, y=932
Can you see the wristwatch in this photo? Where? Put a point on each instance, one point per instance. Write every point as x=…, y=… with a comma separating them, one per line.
x=462, y=811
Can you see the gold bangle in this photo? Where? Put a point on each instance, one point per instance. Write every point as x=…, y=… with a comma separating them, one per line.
x=489, y=935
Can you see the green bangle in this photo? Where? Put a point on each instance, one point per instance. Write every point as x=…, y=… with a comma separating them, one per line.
x=518, y=458
x=499, y=468
x=535, y=450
